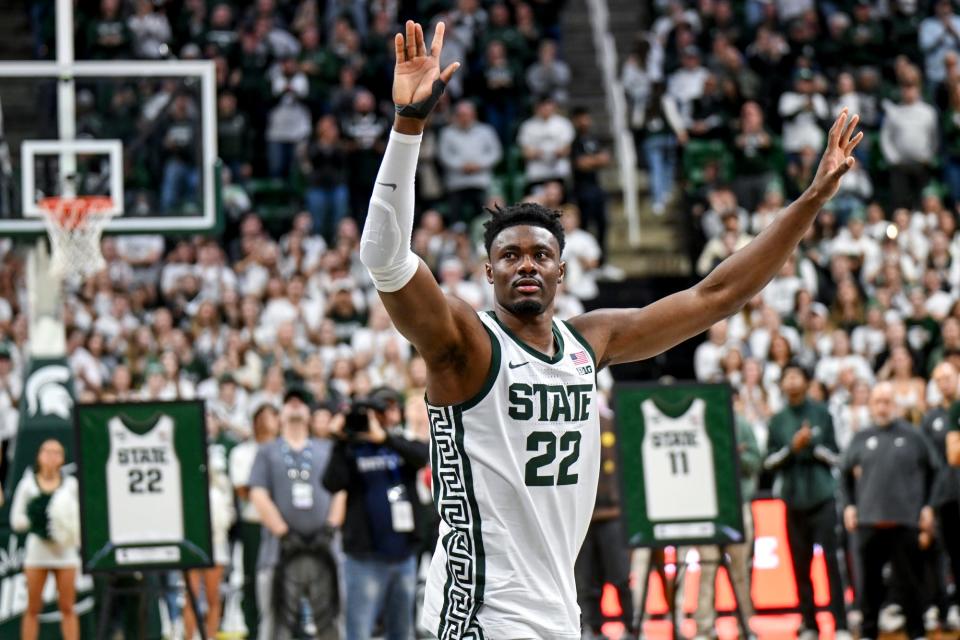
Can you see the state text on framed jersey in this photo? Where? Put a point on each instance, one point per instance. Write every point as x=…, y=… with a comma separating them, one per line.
x=143, y=486
x=679, y=464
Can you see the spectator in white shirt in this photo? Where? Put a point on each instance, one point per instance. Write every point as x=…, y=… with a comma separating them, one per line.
x=909, y=141
x=686, y=83
x=771, y=325
x=371, y=341
x=803, y=110
x=143, y=253
x=709, y=354
x=306, y=313
x=581, y=252
x=266, y=426
x=781, y=292
x=937, y=301
x=215, y=276
x=676, y=14
x=178, y=263
x=721, y=247
x=84, y=367
x=545, y=140
x=453, y=282
x=870, y=339
x=829, y=369
x=230, y=406
x=289, y=122
x=11, y=387
x=722, y=200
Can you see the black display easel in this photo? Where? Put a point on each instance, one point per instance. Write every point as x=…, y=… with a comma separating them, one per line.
x=670, y=591
x=143, y=590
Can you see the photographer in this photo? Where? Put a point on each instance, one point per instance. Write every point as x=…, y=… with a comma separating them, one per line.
x=377, y=464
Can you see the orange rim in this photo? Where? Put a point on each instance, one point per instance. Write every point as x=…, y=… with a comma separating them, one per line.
x=70, y=213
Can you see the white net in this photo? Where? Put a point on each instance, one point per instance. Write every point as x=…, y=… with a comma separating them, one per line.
x=75, y=226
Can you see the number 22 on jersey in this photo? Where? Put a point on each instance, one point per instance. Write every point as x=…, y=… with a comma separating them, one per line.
x=540, y=471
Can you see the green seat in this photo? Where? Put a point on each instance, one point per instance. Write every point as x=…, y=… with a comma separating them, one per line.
x=275, y=201
x=698, y=154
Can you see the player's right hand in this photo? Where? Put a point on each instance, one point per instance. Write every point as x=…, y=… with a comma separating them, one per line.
x=837, y=158
x=416, y=69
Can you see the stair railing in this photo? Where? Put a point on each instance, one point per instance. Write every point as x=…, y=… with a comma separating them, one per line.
x=616, y=102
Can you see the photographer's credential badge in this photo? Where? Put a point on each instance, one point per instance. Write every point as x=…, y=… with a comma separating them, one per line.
x=401, y=511
x=302, y=495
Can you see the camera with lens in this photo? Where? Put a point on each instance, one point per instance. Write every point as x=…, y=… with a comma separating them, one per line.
x=357, y=420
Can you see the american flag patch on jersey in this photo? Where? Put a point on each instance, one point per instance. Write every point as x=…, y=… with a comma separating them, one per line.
x=580, y=358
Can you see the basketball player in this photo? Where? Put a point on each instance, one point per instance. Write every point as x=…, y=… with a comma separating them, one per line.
x=511, y=393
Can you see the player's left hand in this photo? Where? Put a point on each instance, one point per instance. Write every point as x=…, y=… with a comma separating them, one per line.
x=838, y=158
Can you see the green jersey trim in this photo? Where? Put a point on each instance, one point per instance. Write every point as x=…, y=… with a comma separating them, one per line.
x=140, y=427
x=463, y=544
x=557, y=338
x=488, y=381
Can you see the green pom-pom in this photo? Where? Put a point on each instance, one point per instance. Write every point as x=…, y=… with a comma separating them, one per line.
x=38, y=516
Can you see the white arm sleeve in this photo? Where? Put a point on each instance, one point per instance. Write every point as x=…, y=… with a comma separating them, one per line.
x=385, y=242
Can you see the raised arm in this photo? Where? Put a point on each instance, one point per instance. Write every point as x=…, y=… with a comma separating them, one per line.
x=627, y=335
x=443, y=329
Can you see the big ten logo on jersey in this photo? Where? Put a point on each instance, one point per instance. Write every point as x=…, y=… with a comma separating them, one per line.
x=582, y=361
x=549, y=402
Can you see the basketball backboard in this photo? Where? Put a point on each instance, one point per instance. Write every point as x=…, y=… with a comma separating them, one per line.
x=141, y=133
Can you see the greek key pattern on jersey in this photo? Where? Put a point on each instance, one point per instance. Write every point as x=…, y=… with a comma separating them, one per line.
x=453, y=495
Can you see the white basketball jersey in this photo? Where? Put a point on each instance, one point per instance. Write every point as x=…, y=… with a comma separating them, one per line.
x=515, y=473
x=678, y=464
x=143, y=484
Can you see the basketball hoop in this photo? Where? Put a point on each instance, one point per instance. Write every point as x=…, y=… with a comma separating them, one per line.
x=74, y=225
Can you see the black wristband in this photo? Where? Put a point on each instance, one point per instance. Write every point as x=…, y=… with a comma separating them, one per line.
x=420, y=110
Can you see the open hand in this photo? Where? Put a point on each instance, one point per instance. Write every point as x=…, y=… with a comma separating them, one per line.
x=416, y=70
x=838, y=158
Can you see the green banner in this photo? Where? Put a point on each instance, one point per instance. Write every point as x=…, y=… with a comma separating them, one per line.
x=679, y=464
x=144, y=492
x=45, y=409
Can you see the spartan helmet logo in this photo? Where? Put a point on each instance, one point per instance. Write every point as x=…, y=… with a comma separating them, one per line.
x=47, y=394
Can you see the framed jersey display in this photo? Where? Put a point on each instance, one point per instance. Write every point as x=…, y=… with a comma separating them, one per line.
x=679, y=464
x=144, y=495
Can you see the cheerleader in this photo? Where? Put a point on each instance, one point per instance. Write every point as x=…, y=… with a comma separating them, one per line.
x=222, y=515
x=45, y=507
